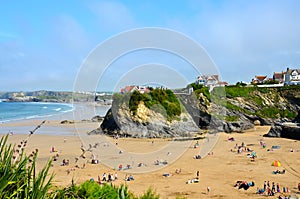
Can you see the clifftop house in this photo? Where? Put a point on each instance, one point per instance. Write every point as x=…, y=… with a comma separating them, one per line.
x=141, y=89
x=292, y=77
x=259, y=79
x=210, y=80
x=279, y=77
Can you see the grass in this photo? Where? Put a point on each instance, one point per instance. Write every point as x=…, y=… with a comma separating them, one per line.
x=18, y=176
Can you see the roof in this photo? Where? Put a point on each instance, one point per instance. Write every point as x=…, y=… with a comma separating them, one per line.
x=278, y=75
x=289, y=71
x=261, y=78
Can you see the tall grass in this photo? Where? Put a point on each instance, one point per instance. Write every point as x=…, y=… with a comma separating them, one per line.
x=18, y=176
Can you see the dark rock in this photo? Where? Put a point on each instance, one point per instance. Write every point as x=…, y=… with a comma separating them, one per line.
x=291, y=132
x=275, y=131
x=285, y=130
x=297, y=119
x=67, y=122
x=97, y=118
x=95, y=131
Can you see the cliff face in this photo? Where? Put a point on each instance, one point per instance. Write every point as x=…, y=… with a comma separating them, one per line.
x=237, y=110
x=146, y=123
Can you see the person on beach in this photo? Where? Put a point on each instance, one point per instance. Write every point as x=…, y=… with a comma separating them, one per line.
x=109, y=178
x=265, y=185
x=278, y=188
x=208, y=190
x=273, y=187
x=198, y=174
x=104, y=177
x=299, y=186
x=116, y=176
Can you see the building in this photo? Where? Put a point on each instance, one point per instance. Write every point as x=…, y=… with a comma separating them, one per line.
x=259, y=79
x=279, y=77
x=210, y=80
x=292, y=77
x=141, y=89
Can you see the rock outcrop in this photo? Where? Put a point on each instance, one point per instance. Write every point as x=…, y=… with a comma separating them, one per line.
x=146, y=123
x=285, y=130
x=205, y=115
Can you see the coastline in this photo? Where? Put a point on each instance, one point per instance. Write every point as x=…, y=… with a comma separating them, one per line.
x=219, y=171
x=81, y=113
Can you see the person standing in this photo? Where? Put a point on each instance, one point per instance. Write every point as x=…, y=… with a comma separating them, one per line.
x=208, y=190
x=104, y=177
x=198, y=174
x=273, y=187
x=265, y=185
x=278, y=188
x=116, y=176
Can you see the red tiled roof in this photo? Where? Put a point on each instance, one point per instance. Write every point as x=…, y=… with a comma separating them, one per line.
x=261, y=78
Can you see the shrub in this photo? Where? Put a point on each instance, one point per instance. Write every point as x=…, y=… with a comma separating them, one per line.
x=160, y=100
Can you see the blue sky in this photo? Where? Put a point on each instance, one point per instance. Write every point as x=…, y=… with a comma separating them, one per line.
x=44, y=43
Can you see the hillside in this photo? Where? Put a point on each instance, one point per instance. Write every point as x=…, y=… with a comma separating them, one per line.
x=228, y=109
x=236, y=108
x=55, y=96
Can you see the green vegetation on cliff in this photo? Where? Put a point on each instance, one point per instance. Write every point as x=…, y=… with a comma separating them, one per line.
x=163, y=101
x=262, y=102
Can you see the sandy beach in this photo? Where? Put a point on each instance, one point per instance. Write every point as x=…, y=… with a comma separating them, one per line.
x=219, y=171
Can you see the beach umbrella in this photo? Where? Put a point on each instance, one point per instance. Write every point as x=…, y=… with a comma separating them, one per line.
x=276, y=163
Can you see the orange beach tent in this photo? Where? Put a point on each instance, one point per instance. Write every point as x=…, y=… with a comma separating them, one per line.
x=276, y=163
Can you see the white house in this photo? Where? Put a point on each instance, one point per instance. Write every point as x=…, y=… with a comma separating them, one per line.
x=210, y=81
x=292, y=76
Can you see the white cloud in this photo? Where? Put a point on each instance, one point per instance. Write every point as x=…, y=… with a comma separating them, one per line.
x=69, y=34
x=113, y=15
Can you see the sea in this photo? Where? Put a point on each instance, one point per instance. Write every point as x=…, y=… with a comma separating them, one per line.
x=11, y=111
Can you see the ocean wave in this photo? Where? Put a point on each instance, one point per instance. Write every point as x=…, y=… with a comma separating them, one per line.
x=45, y=110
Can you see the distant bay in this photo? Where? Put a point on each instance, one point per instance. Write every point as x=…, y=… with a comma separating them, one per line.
x=10, y=111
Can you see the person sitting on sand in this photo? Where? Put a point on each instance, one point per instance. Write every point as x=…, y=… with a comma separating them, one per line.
x=120, y=167
x=63, y=162
x=244, y=185
x=130, y=177
x=260, y=191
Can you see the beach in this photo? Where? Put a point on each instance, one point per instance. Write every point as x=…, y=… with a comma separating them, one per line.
x=219, y=170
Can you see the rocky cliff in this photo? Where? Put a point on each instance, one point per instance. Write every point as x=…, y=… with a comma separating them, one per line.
x=146, y=123
x=234, y=110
